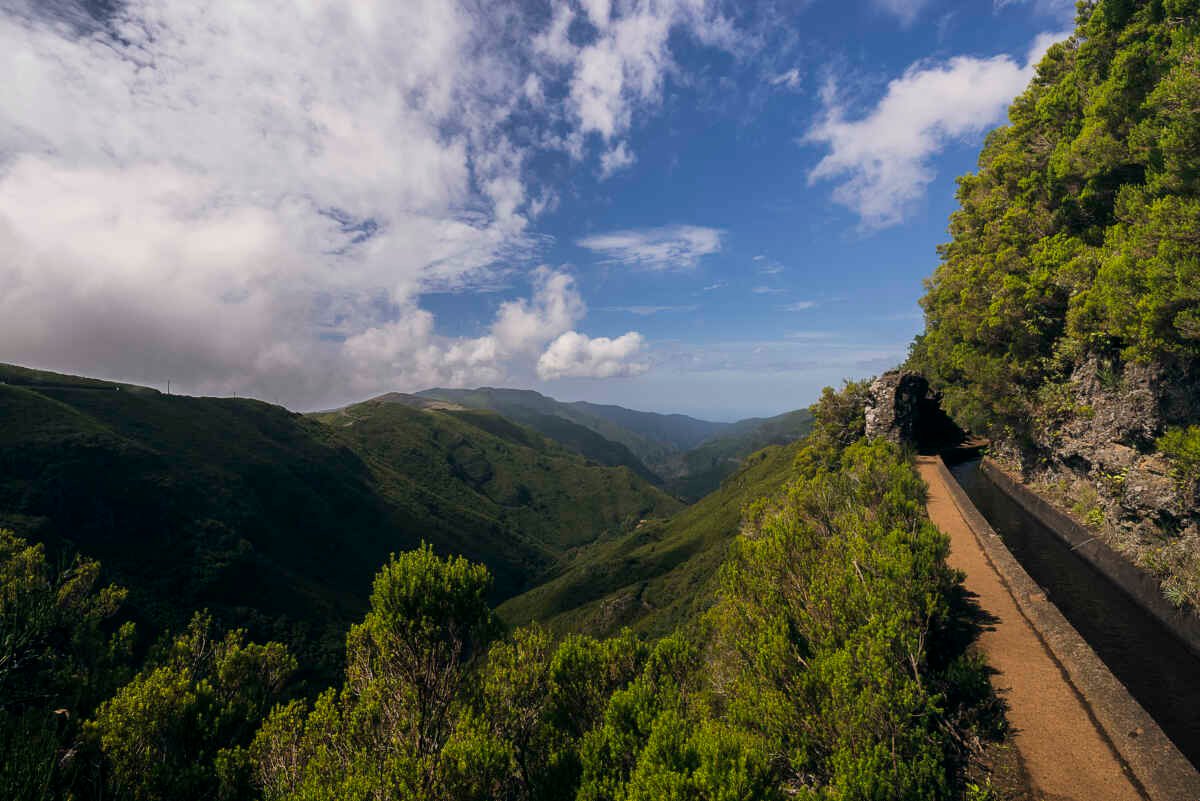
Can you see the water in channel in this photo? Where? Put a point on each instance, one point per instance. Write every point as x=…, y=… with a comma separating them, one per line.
x=1158, y=670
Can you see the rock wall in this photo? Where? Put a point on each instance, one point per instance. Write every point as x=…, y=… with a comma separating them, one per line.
x=902, y=408
x=1097, y=461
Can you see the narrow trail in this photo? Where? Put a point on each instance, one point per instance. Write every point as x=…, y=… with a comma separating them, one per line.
x=1064, y=752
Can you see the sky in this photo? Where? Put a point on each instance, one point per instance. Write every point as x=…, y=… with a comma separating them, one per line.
x=714, y=208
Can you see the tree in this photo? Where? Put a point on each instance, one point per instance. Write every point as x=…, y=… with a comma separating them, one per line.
x=175, y=731
x=58, y=656
x=383, y=735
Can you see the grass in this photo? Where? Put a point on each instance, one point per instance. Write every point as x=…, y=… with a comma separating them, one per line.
x=659, y=574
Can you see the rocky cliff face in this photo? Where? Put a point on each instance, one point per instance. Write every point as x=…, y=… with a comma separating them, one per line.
x=1096, y=459
x=902, y=408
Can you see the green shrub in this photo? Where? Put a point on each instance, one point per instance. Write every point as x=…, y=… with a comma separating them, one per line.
x=1182, y=447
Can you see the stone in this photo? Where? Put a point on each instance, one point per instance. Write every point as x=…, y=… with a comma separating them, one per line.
x=893, y=403
x=902, y=408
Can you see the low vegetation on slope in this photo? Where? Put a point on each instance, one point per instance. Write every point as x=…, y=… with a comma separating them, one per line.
x=689, y=457
x=824, y=669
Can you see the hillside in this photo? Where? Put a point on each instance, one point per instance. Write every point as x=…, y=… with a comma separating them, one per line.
x=650, y=439
x=659, y=575
x=702, y=469
x=689, y=457
x=277, y=520
x=1064, y=318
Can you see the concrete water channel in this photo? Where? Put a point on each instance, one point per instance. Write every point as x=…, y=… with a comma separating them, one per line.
x=1160, y=671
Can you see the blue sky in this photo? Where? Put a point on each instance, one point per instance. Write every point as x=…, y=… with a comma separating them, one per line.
x=675, y=205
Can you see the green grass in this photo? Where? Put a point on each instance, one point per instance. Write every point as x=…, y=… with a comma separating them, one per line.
x=658, y=575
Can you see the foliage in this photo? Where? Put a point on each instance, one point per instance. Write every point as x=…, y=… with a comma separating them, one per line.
x=58, y=657
x=828, y=608
x=1078, y=237
x=175, y=731
x=1182, y=447
x=385, y=733
x=811, y=665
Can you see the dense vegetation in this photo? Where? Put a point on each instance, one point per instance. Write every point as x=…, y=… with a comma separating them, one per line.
x=276, y=521
x=826, y=667
x=662, y=572
x=1079, y=237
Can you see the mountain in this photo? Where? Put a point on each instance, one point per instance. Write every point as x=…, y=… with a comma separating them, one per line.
x=649, y=438
x=658, y=575
x=277, y=520
x=702, y=469
x=690, y=457
x=1064, y=318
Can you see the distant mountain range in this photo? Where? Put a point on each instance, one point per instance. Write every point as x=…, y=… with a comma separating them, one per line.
x=689, y=456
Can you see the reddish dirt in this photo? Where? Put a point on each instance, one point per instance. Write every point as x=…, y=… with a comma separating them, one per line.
x=1065, y=754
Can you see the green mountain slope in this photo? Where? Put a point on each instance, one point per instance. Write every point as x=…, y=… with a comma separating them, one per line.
x=539, y=493
x=702, y=469
x=676, y=430
x=661, y=573
x=652, y=440
x=277, y=520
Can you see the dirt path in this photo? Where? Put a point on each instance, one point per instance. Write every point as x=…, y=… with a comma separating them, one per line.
x=1065, y=754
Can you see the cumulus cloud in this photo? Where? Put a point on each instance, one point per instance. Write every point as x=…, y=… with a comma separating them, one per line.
x=252, y=197
x=408, y=350
x=672, y=247
x=882, y=160
x=624, y=64
x=576, y=355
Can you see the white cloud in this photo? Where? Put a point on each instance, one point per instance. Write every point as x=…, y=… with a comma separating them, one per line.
x=904, y=10
x=672, y=247
x=522, y=326
x=646, y=311
x=251, y=197
x=1063, y=10
x=717, y=285
x=618, y=158
x=576, y=355
x=407, y=349
x=800, y=305
x=766, y=290
x=624, y=65
x=882, y=160
x=788, y=80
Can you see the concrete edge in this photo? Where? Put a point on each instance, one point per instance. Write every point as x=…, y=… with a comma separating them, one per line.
x=1163, y=773
x=1139, y=585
